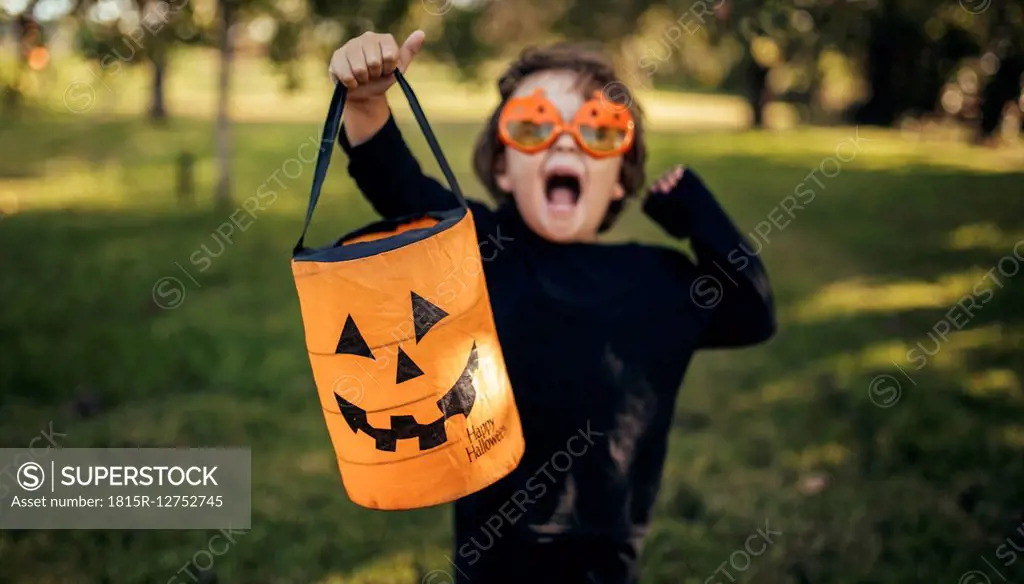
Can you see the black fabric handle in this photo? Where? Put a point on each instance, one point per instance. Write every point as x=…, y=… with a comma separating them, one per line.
x=331, y=128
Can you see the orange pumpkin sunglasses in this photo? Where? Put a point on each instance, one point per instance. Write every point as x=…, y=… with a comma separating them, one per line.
x=532, y=123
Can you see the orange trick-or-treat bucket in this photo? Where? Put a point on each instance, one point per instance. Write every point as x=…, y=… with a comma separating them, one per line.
x=404, y=352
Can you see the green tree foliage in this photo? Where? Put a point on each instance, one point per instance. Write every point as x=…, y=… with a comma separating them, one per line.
x=906, y=52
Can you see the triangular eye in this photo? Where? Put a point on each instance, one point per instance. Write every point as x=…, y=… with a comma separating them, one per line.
x=424, y=315
x=407, y=369
x=351, y=341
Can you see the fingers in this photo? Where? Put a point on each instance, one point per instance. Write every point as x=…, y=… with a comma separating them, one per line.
x=669, y=180
x=389, y=53
x=677, y=174
x=374, y=60
x=341, y=67
x=410, y=48
x=357, y=62
x=340, y=70
x=372, y=56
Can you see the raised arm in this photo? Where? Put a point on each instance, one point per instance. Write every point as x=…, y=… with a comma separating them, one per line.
x=386, y=172
x=730, y=281
x=390, y=177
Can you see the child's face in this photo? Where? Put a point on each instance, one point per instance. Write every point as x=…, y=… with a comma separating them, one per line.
x=560, y=210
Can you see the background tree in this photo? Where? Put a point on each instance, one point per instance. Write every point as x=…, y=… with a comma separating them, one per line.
x=227, y=12
x=146, y=34
x=1004, y=64
x=30, y=42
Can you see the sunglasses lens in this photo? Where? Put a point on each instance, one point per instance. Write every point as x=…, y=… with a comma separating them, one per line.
x=603, y=138
x=529, y=134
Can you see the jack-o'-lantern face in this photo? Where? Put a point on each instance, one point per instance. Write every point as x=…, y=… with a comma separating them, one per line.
x=458, y=400
x=407, y=363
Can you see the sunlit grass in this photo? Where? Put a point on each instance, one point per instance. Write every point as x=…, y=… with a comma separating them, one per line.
x=996, y=381
x=987, y=236
x=853, y=297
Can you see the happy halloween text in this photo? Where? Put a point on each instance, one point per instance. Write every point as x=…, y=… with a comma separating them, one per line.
x=482, y=438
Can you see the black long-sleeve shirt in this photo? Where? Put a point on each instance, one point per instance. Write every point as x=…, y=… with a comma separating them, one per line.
x=596, y=340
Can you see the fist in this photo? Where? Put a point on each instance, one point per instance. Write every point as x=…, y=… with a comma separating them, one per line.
x=665, y=205
x=365, y=64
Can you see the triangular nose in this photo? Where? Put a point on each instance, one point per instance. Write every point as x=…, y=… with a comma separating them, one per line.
x=407, y=369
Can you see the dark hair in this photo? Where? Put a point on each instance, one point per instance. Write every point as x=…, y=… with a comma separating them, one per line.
x=596, y=73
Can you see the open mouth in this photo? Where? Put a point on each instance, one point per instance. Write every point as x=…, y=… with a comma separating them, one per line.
x=562, y=189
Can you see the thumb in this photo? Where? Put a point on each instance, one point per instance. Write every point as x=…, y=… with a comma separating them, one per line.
x=410, y=48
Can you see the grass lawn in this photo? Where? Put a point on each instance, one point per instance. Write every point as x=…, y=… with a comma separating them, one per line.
x=917, y=484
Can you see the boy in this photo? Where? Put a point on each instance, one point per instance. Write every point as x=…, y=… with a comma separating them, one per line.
x=596, y=337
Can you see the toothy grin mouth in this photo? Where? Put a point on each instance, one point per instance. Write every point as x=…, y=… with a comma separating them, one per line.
x=458, y=400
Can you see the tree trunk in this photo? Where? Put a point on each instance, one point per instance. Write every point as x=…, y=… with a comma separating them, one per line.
x=880, y=109
x=156, y=53
x=1003, y=87
x=757, y=90
x=11, y=90
x=157, y=107
x=223, y=128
